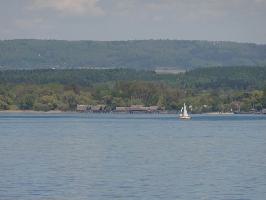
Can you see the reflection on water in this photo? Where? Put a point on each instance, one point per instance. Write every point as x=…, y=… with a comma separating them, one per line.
x=115, y=156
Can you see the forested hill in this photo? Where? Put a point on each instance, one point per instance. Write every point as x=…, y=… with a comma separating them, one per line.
x=199, y=79
x=142, y=54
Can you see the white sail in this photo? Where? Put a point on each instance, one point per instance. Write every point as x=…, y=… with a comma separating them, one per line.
x=183, y=113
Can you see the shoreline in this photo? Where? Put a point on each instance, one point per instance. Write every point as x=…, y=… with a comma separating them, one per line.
x=34, y=111
x=219, y=113
x=76, y=112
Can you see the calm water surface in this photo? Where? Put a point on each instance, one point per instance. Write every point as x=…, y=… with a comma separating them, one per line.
x=115, y=156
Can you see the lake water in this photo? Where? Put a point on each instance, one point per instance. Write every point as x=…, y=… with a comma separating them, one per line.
x=120, y=156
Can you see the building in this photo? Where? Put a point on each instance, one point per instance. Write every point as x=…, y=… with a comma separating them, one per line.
x=98, y=108
x=82, y=108
x=91, y=108
x=138, y=108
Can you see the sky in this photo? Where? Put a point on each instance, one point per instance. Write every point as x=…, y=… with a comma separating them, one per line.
x=104, y=20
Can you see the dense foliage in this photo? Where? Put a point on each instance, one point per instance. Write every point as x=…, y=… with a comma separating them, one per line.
x=238, y=78
x=142, y=54
x=83, y=77
x=202, y=78
x=206, y=89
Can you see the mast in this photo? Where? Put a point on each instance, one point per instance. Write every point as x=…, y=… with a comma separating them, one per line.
x=185, y=111
x=181, y=112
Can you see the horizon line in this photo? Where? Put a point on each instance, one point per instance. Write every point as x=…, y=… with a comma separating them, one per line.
x=128, y=40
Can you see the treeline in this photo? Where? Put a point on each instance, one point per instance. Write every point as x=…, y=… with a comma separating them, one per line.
x=245, y=78
x=237, y=78
x=82, y=77
x=207, y=89
x=138, y=54
x=125, y=93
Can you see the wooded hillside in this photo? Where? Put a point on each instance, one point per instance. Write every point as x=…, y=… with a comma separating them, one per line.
x=139, y=54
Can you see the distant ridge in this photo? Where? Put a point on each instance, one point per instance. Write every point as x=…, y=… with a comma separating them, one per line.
x=137, y=54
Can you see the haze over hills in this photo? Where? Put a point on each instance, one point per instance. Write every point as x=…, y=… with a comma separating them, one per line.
x=137, y=54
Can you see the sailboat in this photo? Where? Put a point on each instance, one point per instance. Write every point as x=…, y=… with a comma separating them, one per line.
x=183, y=113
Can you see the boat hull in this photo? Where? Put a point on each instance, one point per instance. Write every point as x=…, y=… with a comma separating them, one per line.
x=185, y=118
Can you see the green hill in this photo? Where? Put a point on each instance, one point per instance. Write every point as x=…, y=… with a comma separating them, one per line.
x=200, y=79
x=142, y=54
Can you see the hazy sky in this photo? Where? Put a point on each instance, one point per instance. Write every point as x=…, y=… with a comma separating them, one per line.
x=233, y=20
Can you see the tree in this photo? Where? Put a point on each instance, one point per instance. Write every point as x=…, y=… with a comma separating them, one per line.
x=3, y=103
x=70, y=99
x=26, y=101
x=264, y=98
